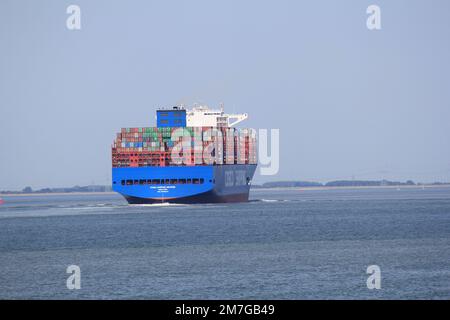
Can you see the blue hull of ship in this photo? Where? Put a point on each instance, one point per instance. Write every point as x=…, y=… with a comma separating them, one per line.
x=221, y=183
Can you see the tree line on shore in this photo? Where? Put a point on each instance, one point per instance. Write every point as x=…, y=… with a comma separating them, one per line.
x=91, y=188
x=341, y=183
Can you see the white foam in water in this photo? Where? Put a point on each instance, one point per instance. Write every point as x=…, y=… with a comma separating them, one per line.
x=89, y=208
x=162, y=204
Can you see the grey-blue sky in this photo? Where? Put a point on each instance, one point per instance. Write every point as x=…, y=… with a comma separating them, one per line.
x=348, y=101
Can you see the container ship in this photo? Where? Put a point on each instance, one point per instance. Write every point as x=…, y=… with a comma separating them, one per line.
x=191, y=156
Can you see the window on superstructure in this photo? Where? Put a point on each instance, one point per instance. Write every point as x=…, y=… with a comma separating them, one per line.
x=182, y=181
x=195, y=181
x=129, y=182
x=142, y=182
x=136, y=182
x=173, y=181
x=202, y=180
x=122, y=182
x=156, y=181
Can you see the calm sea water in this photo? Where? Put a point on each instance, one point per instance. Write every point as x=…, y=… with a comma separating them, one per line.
x=284, y=244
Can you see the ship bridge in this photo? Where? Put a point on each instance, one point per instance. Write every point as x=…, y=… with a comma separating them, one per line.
x=198, y=116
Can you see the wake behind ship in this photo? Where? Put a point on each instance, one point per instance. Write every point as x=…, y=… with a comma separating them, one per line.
x=191, y=156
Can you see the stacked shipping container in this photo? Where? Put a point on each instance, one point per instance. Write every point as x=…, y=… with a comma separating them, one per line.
x=169, y=146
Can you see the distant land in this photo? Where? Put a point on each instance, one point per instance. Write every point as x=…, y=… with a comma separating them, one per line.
x=267, y=185
x=77, y=189
x=342, y=183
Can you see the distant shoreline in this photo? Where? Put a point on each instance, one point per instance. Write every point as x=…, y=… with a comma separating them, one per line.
x=318, y=188
x=355, y=187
